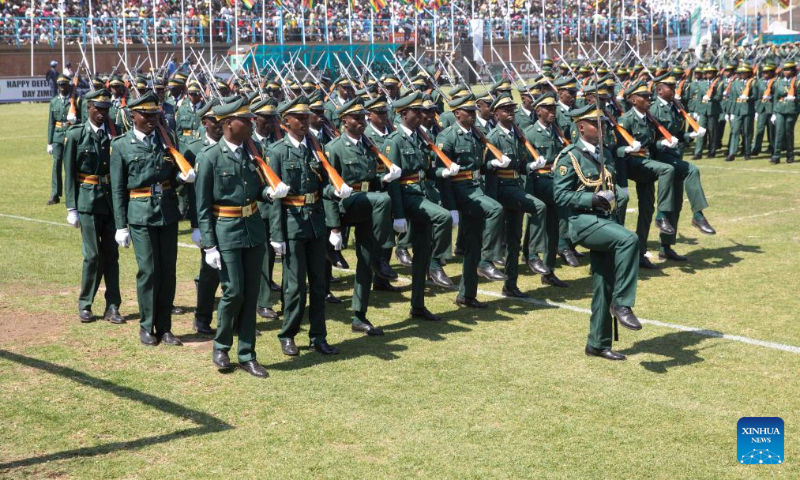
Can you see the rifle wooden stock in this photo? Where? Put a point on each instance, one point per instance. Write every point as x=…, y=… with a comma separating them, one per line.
x=183, y=165
x=560, y=134
x=530, y=148
x=267, y=172
x=691, y=121
x=661, y=129
x=620, y=129
x=372, y=148
x=495, y=151
x=439, y=153
x=333, y=175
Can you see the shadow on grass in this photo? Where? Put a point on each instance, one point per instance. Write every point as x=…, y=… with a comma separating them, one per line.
x=708, y=258
x=677, y=347
x=205, y=423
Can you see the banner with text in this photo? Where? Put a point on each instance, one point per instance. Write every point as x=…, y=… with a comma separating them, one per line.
x=24, y=89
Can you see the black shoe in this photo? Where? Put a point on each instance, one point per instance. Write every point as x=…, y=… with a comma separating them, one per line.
x=384, y=271
x=459, y=252
x=288, y=347
x=112, y=315
x=568, y=256
x=337, y=260
x=253, y=368
x=625, y=317
x=607, y=353
x=274, y=286
x=577, y=253
x=704, y=226
x=221, y=359
x=664, y=226
x=670, y=254
x=755, y=152
x=470, y=302
x=537, y=266
x=147, y=338
x=551, y=279
x=169, y=339
x=266, y=312
x=323, y=348
x=774, y=160
x=86, y=315
x=729, y=158
x=333, y=280
x=514, y=292
x=384, y=286
x=331, y=298
x=696, y=156
x=53, y=200
x=440, y=278
x=364, y=326
x=645, y=263
x=177, y=310
x=203, y=328
x=490, y=272
x=747, y=157
x=790, y=160
x=403, y=256
x=425, y=314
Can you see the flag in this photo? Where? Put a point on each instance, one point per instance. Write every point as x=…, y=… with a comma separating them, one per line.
x=738, y=3
x=248, y=4
x=307, y=4
x=419, y=5
x=437, y=4
x=784, y=3
x=696, y=25
x=377, y=5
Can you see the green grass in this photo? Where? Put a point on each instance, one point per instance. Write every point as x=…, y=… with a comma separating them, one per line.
x=500, y=393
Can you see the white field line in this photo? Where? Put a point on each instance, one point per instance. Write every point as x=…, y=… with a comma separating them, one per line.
x=545, y=303
x=745, y=170
x=766, y=214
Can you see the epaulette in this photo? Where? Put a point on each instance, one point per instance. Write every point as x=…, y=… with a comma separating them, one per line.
x=207, y=147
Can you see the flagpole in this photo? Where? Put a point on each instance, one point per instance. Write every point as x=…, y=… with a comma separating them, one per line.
x=636, y=18
x=33, y=28
x=155, y=37
x=528, y=17
x=391, y=21
x=236, y=28
x=91, y=32
x=579, y=22
x=452, y=25
x=210, y=32
x=542, y=36
x=183, y=30
x=416, y=33
x=326, y=21
x=371, y=26
x=561, y=26
x=264, y=22
x=435, y=39
x=302, y=24
x=491, y=30
x=508, y=30
x=652, y=30
x=63, y=39
x=124, y=32
x=609, y=30
x=349, y=22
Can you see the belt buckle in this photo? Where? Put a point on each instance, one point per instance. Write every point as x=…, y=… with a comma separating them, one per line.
x=364, y=186
x=309, y=199
x=421, y=175
x=104, y=179
x=476, y=174
x=156, y=188
x=247, y=210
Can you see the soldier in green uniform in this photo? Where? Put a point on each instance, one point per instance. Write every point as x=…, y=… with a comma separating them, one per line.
x=412, y=200
x=785, y=115
x=345, y=91
x=504, y=183
x=228, y=185
x=87, y=193
x=118, y=113
x=97, y=84
x=707, y=109
x=177, y=91
x=483, y=120
x=764, y=109
x=207, y=279
x=524, y=116
x=448, y=118
x=267, y=131
x=59, y=119
x=482, y=215
x=686, y=174
x=724, y=114
x=584, y=184
x=187, y=122
x=742, y=109
x=143, y=179
x=367, y=210
x=297, y=227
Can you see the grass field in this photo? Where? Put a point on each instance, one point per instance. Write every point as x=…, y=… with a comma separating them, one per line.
x=501, y=393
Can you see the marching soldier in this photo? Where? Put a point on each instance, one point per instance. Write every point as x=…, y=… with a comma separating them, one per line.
x=87, y=193
x=187, y=122
x=233, y=235
x=483, y=216
x=297, y=227
x=525, y=117
x=345, y=91
x=143, y=179
x=59, y=119
x=368, y=209
x=785, y=115
x=118, y=113
x=584, y=184
x=707, y=109
x=742, y=110
x=764, y=109
x=411, y=201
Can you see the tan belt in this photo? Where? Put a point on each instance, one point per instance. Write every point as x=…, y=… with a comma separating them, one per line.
x=234, y=212
x=154, y=189
x=380, y=168
x=545, y=170
x=468, y=175
x=508, y=173
x=94, y=179
x=413, y=178
x=360, y=187
x=188, y=132
x=301, y=200
x=638, y=154
x=60, y=124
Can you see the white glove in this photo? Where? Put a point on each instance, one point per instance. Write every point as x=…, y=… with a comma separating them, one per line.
x=670, y=144
x=123, y=237
x=400, y=225
x=279, y=247
x=677, y=97
x=336, y=240
x=633, y=148
x=693, y=134
x=72, y=119
x=343, y=192
x=701, y=132
x=454, y=216
x=196, y=237
x=790, y=98
x=695, y=116
x=743, y=97
x=620, y=98
x=394, y=173
x=278, y=192
x=72, y=218
x=537, y=164
x=50, y=149
x=773, y=118
x=706, y=98
x=189, y=177
x=766, y=98
x=452, y=171
x=579, y=94
x=756, y=117
x=213, y=258
x=502, y=163
x=727, y=117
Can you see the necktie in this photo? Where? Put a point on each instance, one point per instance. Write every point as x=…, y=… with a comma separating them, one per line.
x=238, y=153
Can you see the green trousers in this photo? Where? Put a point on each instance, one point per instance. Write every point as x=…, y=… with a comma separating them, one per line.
x=741, y=126
x=304, y=259
x=516, y=205
x=784, y=135
x=156, y=251
x=709, y=122
x=687, y=177
x=646, y=172
x=555, y=223
x=267, y=267
x=614, y=257
x=481, y=217
x=239, y=277
x=763, y=124
x=206, y=283
x=431, y=230
x=100, y=260
x=57, y=171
